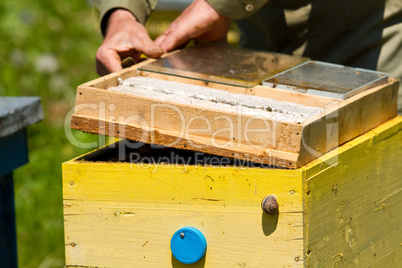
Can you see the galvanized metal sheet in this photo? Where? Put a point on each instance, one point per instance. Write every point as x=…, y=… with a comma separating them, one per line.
x=326, y=79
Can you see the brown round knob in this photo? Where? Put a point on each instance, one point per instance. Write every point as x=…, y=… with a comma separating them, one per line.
x=270, y=205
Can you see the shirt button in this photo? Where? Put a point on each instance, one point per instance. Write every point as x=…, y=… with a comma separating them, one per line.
x=249, y=7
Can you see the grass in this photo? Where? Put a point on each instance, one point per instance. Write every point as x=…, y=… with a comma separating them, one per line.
x=47, y=49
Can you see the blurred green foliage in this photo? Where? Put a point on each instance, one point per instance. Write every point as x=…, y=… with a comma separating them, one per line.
x=47, y=48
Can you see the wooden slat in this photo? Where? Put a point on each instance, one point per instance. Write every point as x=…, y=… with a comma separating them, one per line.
x=202, y=144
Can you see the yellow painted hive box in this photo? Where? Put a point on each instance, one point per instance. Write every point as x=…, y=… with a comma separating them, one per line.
x=123, y=204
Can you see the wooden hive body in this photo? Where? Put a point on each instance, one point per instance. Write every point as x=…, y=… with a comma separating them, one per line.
x=336, y=178
x=342, y=209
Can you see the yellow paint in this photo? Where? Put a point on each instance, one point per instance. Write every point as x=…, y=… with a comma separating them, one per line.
x=353, y=207
x=118, y=207
x=341, y=209
x=177, y=183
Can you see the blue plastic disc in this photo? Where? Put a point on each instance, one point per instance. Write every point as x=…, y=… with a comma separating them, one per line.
x=188, y=245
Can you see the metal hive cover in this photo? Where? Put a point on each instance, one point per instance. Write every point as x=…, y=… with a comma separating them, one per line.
x=326, y=79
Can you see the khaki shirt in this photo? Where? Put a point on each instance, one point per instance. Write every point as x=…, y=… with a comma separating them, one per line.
x=357, y=33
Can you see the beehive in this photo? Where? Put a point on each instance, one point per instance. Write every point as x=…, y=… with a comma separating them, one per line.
x=335, y=175
x=342, y=209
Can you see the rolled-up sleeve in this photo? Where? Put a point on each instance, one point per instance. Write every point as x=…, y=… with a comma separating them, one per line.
x=140, y=8
x=237, y=9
